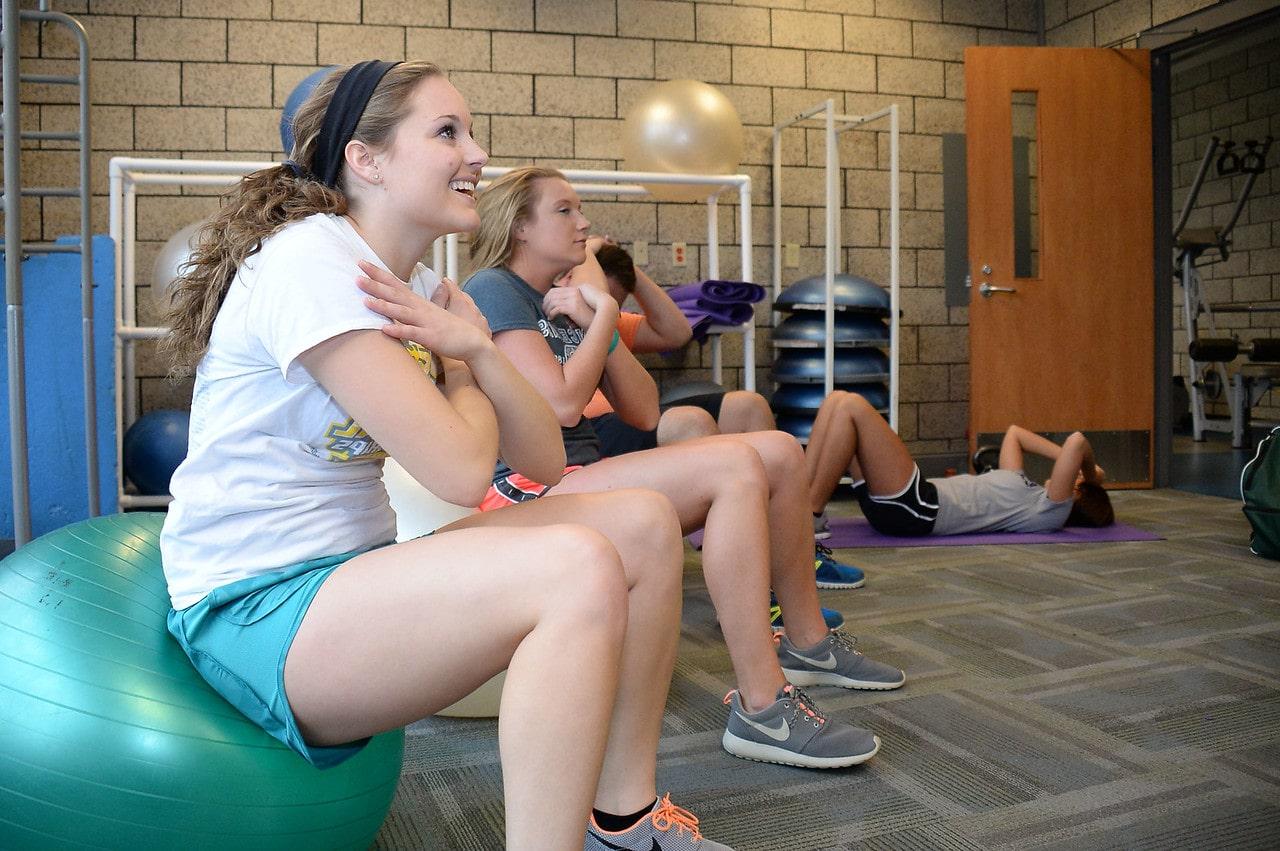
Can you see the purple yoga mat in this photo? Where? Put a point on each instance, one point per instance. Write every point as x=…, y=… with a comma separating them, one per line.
x=855, y=532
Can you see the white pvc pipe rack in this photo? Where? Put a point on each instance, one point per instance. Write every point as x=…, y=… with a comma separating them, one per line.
x=126, y=174
x=834, y=124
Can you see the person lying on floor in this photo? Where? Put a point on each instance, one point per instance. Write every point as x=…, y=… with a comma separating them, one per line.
x=848, y=433
x=1004, y=502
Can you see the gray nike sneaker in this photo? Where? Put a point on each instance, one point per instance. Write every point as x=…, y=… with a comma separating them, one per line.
x=835, y=662
x=792, y=731
x=666, y=828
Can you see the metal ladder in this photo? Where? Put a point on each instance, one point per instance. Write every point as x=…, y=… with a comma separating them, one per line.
x=13, y=193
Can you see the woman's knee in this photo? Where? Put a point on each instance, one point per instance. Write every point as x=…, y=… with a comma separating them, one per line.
x=738, y=463
x=780, y=452
x=652, y=514
x=744, y=410
x=580, y=571
x=685, y=422
x=852, y=405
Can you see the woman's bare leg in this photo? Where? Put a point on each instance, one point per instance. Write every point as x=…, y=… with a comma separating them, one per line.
x=685, y=422
x=644, y=529
x=791, y=534
x=398, y=633
x=720, y=484
x=743, y=411
x=849, y=434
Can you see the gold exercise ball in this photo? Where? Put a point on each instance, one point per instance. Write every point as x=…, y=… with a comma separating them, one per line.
x=683, y=127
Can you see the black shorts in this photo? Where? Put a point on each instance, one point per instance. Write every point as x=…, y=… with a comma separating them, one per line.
x=709, y=402
x=618, y=438
x=910, y=513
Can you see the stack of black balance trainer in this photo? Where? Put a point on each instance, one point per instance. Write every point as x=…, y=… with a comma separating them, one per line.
x=861, y=335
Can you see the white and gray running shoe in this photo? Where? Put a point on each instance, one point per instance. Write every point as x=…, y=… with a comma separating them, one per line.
x=834, y=661
x=821, y=527
x=792, y=731
x=666, y=828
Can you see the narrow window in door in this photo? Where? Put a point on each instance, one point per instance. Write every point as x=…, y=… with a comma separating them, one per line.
x=1026, y=198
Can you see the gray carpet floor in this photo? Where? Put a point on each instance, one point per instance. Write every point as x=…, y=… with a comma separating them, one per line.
x=1058, y=696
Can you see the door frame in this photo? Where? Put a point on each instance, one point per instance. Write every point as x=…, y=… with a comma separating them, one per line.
x=1162, y=59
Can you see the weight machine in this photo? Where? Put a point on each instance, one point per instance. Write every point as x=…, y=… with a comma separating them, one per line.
x=1209, y=355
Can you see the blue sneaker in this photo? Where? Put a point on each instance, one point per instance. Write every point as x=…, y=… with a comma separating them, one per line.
x=832, y=574
x=834, y=619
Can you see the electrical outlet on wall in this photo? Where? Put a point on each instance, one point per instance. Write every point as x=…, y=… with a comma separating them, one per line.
x=640, y=252
x=679, y=254
x=791, y=257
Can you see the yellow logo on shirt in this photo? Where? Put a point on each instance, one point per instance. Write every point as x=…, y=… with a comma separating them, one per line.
x=347, y=441
x=430, y=363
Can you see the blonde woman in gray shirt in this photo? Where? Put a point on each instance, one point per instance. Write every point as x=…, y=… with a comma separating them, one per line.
x=849, y=434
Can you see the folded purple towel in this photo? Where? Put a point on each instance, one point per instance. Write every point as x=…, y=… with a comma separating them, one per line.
x=720, y=313
x=732, y=291
x=719, y=292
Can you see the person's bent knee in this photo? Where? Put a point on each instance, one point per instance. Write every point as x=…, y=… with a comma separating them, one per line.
x=685, y=422
x=652, y=513
x=779, y=449
x=739, y=464
x=583, y=577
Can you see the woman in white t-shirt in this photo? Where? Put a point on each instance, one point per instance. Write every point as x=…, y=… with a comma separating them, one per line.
x=288, y=593
x=849, y=434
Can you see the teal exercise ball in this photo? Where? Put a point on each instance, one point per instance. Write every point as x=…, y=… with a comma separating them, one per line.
x=110, y=739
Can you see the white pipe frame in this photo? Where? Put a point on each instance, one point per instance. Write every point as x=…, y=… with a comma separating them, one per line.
x=128, y=173
x=834, y=124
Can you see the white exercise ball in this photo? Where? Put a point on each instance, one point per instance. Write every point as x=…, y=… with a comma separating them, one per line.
x=683, y=127
x=171, y=260
x=420, y=512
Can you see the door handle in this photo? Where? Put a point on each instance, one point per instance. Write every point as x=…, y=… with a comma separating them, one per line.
x=986, y=290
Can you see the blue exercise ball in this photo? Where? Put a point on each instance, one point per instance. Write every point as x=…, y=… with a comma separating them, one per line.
x=110, y=739
x=809, y=328
x=798, y=426
x=154, y=446
x=300, y=93
x=850, y=292
x=807, y=398
x=852, y=366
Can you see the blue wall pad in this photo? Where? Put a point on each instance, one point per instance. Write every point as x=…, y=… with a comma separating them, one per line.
x=807, y=398
x=55, y=389
x=807, y=366
x=852, y=292
x=810, y=328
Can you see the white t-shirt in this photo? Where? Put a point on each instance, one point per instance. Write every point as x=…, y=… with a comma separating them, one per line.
x=276, y=471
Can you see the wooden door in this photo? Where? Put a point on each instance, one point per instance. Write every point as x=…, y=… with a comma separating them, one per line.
x=1072, y=346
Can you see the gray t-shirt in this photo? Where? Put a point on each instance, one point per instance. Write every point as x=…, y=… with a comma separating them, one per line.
x=998, y=501
x=510, y=304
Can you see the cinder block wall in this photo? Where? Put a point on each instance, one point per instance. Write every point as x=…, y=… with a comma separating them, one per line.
x=550, y=81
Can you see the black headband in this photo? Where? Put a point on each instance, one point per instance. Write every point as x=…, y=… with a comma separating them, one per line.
x=346, y=107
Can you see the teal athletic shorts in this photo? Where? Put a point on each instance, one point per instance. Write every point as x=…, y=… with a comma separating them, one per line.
x=238, y=637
